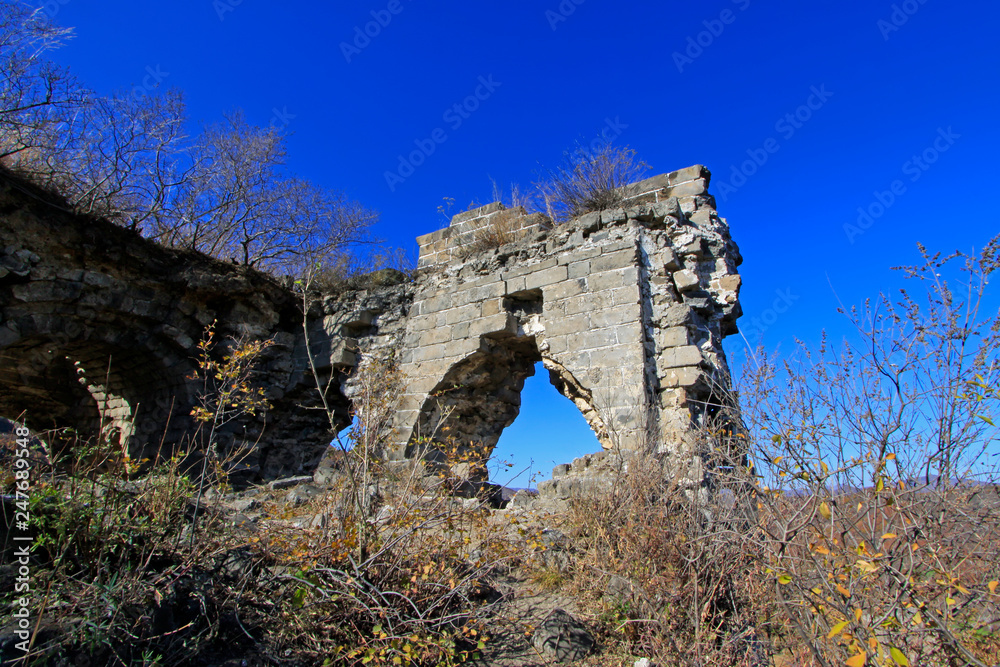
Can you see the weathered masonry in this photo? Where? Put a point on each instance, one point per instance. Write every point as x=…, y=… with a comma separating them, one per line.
x=626, y=309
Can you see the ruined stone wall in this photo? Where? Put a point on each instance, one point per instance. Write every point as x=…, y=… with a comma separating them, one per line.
x=626, y=309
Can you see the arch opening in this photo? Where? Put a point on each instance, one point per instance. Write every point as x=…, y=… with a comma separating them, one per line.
x=548, y=430
x=462, y=421
x=90, y=391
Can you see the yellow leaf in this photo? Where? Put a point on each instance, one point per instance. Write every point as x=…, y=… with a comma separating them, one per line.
x=898, y=657
x=889, y=536
x=825, y=512
x=837, y=629
x=866, y=567
x=843, y=591
x=890, y=457
x=873, y=644
x=950, y=601
x=858, y=661
x=785, y=579
x=858, y=614
x=993, y=586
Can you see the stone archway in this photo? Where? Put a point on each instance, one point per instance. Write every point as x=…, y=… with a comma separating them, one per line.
x=120, y=395
x=479, y=396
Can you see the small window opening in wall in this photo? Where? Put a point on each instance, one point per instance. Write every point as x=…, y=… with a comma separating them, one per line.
x=549, y=430
x=526, y=302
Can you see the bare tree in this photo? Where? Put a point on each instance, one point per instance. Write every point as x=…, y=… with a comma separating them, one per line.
x=876, y=479
x=127, y=158
x=35, y=94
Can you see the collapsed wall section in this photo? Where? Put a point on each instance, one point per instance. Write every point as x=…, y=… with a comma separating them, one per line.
x=626, y=308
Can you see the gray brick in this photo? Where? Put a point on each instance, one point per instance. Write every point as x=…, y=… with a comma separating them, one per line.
x=579, y=269
x=614, y=316
x=502, y=323
x=598, y=338
x=598, y=282
x=546, y=277
x=463, y=314
x=570, y=325
x=630, y=334
x=675, y=357
x=565, y=289
x=616, y=260
x=672, y=337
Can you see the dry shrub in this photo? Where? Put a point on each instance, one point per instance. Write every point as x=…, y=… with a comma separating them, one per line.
x=667, y=571
x=589, y=182
x=499, y=229
x=876, y=479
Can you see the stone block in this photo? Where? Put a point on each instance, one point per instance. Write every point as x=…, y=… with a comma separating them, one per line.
x=689, y=188
x=492, y=306
x=610, y=317
x=568, y=326
x=495, y=324
x=435, y=304
x=630, y=294
x=731, y=282
x=598, y=338
x=463, y=314
x=613, y=215
x=545, y=277
x=688, y=355
x=629, y=335
x=672, y=337
x=616, y=260
x=619, y=357
x=435, y=335
x=429, y=352
x=557, y=344
x=688, y=174
x=568, y=288
x=495, y=289
x=579, y=269
x=598, y=282
x=680, y=377
x=686, y=279
x=515, y=285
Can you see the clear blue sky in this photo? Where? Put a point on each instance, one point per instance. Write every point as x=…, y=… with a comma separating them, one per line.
x=887, y=82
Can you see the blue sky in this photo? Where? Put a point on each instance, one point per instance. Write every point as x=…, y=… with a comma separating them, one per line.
x=804, y=112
